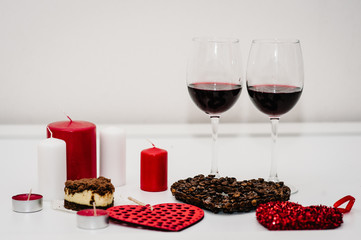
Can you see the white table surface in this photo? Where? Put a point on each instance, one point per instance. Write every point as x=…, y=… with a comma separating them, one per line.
x=321, y=159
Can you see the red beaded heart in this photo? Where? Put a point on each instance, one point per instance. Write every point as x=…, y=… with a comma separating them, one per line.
x=166, y=216
x=293, y=216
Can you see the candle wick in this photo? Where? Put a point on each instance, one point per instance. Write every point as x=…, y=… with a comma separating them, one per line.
x=151, y=142
x=67, y=116
x=29, y=195
x=94, y=209
x=140, y=203
x=51, y=133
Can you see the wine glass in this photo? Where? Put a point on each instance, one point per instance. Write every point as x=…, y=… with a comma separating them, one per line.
x=275, y=83
x=214, y=81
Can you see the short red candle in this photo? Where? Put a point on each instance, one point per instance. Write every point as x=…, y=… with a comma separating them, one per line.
x=154, y=170
x=80, y=139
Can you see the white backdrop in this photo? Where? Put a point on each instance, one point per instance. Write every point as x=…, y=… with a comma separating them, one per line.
x=123, y=61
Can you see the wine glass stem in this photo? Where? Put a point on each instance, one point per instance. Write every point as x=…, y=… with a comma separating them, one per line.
x=274, y=132
x=214, y=163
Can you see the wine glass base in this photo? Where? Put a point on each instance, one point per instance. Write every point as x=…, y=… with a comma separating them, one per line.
x=216, y=175
x=293, y=189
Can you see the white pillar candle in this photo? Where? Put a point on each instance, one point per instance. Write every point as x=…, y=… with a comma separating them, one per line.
x=52, y=168
x=112, y=155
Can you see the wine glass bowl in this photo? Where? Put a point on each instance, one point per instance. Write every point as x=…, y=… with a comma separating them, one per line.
x=275, y=82
x=214, y=80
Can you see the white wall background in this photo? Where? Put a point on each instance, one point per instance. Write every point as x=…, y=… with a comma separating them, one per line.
x=123, y=61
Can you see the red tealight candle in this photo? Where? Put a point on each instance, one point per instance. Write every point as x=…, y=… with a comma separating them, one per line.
x=154, y=170
x=27, y=203
x=88, y=219
x=80, y=139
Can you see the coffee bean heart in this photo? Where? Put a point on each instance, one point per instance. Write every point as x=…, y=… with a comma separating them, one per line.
x=227, y=194
x=166, y=216
x=293, y=216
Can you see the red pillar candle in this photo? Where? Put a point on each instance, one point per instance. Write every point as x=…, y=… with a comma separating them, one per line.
x=80, y=138
x=154, y=170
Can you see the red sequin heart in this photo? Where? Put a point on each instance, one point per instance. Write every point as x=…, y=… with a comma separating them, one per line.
x=293, y=216
x=166, y=216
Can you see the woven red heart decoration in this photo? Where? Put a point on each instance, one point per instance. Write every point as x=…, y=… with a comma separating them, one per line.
x=166, y=216
x=293, y=216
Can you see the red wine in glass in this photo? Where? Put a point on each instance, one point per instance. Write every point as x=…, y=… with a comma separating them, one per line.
x=214, y=98
x=274, y=100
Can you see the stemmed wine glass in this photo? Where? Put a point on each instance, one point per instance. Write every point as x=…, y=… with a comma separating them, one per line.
x=275, y=83
x=214, y=81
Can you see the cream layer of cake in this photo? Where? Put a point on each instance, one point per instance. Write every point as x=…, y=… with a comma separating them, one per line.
x=87, y=197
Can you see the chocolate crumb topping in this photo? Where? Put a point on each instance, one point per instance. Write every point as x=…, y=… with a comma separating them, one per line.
x=100, y=185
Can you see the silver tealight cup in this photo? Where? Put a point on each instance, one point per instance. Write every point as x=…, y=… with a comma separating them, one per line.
x=25, y=203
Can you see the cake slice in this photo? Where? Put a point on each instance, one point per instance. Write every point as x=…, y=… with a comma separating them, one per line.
x=80, y=194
